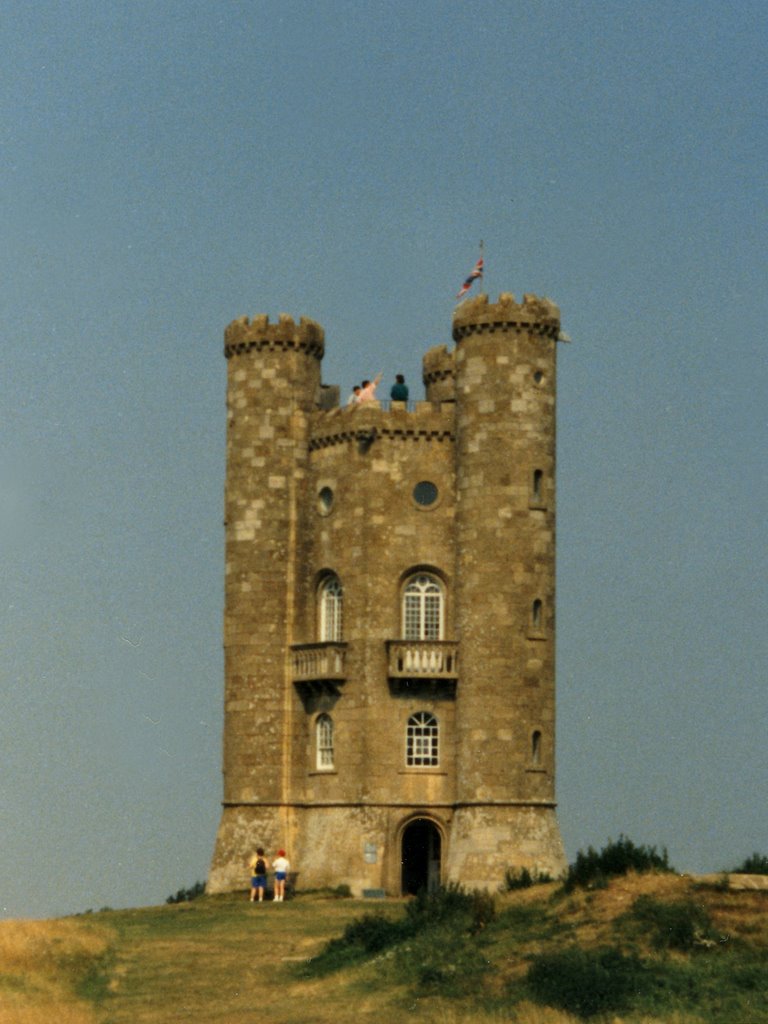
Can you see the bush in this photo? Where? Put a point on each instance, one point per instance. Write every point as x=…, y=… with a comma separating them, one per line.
x=371, y=933
x=522, y=878
x=448, y=910
x=586, y=982
x=757, y=864
x=185, y=895
x=467, y=911
x=442, y=962
x=676, y=925
x=617, y=858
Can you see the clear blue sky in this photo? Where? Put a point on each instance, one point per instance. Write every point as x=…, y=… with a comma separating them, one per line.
x=167, y=167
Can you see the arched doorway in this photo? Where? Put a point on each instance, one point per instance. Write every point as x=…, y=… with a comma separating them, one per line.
x=420, y=856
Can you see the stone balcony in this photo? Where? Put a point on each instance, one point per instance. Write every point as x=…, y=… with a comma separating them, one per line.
x=419, y=665
x=320, y=667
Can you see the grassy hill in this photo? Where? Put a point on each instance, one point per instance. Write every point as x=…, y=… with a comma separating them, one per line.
x=644, y=949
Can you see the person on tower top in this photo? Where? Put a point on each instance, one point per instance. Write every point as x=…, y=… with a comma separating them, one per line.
x=399, y=391
x=368, y=390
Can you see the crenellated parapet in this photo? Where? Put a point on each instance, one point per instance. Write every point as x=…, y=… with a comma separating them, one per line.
x=369, y=422
x=438, y=368
x=257, y=334
x=437, y=364
x=479, y=316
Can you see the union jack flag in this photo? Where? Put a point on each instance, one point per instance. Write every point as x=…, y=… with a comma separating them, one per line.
x=477, y=271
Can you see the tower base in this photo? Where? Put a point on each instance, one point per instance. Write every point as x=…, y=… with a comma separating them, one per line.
x=390, y=849
x=488, y=840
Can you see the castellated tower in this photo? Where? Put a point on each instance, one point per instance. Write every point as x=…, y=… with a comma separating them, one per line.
x=389, y=611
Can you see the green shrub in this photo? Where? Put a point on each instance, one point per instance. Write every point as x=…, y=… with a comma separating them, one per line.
x=448, y=910
x=468, y=911
x=674, y=925
x=757, y=864
x=593, y=869
x=442, y=962
x=586, y=982
x=371, y=933
x=185, y=895
x=362, y=938
x=522, y=878
x=715, y=989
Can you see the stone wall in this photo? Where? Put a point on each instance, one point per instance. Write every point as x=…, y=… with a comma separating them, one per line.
x=459, y=489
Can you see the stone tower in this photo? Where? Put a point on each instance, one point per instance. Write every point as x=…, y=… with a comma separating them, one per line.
x=389, y=610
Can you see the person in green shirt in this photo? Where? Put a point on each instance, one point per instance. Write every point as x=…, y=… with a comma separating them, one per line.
x=399, y=392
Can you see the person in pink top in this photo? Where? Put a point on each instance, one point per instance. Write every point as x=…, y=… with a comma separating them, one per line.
x=368, y=390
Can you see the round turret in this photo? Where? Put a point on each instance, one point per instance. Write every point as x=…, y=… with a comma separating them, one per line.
x=505, y=360
x=438, y=374
x=256, y=334
x=478, y=316
x=273, y=384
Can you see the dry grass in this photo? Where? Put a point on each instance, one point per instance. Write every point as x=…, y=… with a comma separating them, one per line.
x=222, y=960
x=735, y=914
x=530, y=1013
x=25, y=944
x=55, y=1011
x=524, y=1013
x=41, y=965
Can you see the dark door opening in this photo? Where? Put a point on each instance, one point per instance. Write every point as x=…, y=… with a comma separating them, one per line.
x=421, y=857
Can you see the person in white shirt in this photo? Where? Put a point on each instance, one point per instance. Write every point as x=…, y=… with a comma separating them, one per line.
x=281, y=866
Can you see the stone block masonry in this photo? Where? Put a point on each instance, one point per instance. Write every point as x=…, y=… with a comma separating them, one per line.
x=389, y=629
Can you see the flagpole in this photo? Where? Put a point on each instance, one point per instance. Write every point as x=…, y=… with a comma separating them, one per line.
x=482, y=257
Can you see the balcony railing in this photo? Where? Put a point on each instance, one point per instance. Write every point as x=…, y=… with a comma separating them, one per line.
x=319, y=663
x=423, y=659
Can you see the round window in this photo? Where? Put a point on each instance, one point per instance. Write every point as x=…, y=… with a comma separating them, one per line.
x=538, y=376
x=425, y=493
x=325, y=500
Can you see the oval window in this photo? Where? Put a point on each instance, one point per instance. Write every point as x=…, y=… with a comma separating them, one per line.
x=325, y=500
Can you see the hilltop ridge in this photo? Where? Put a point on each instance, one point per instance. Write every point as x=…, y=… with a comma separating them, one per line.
x=219, y=958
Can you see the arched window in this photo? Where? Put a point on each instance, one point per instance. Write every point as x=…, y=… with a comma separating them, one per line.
x=331, y=599
x=423, y=609
x=536, y=747
x=324, y=741
x=421, y=740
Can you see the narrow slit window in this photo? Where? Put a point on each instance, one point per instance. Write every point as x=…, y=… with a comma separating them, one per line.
x=537, y=485
x=536, y=614
x=536, y=747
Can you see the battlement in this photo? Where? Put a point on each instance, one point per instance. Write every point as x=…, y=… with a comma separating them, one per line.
x=479, y=316
x=437, y=364
x=438, y=368
x=427, y=421
x=258, y=334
